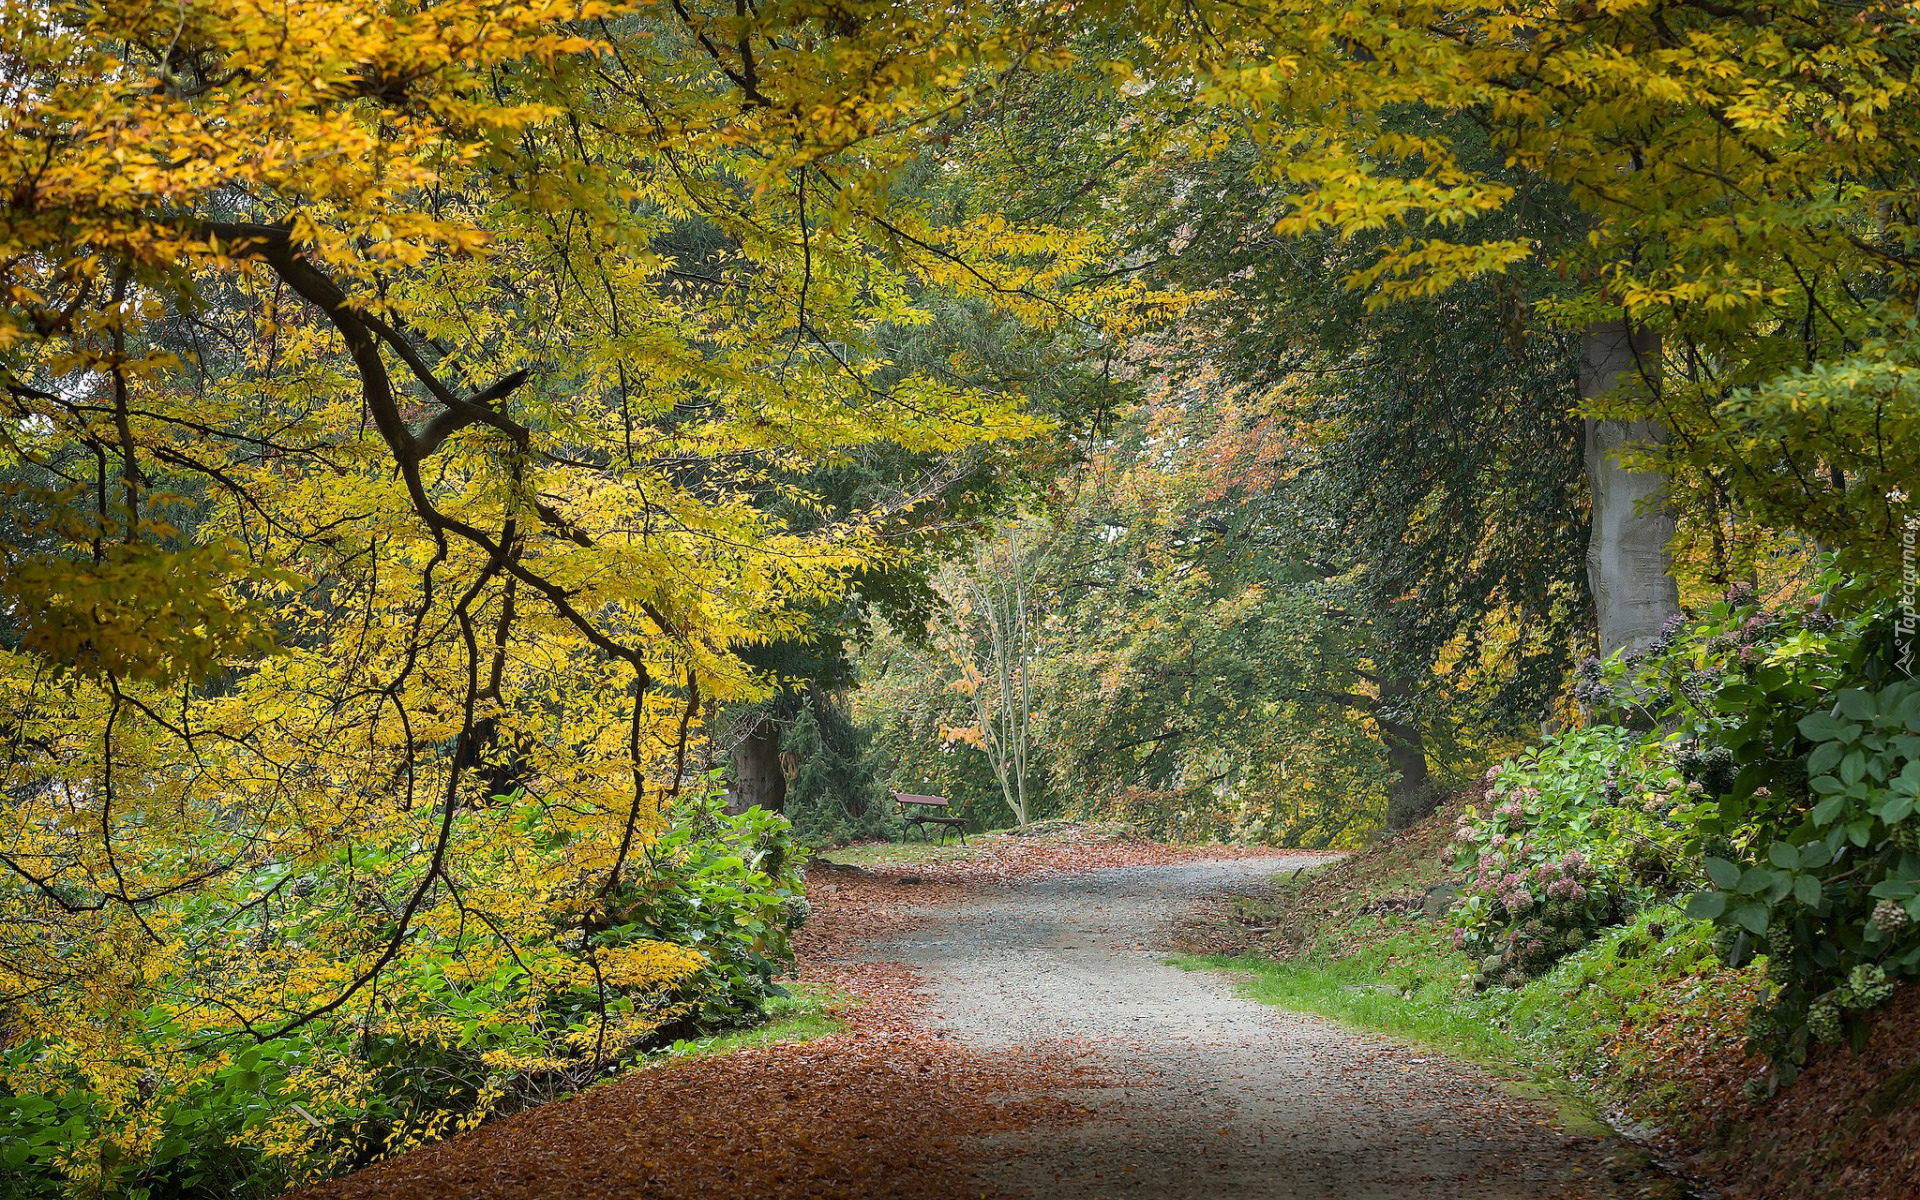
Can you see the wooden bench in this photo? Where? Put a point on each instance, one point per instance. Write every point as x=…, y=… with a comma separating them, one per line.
x=922, y=811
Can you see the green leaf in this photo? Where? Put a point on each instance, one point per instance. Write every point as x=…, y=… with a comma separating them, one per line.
x=1755, y=880
x=1724, y=874
x=1751, y=917
x=1824, y=757
x=1827, y=810
x=1705, y=906
x=1783, y=855
x=1853, y=768
x=1859, y=832
x=1857, y=705
x=1819, y=727
x=1806, y=889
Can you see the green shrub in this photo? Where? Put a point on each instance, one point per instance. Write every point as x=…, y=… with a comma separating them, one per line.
x=427, y=1052
x=1583, y=831
x=1768, y=762
x=1832, y=901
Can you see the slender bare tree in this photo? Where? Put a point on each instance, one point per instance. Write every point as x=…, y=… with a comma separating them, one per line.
x=988, y=627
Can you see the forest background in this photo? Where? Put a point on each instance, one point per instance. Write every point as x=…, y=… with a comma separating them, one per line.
x=471, y=467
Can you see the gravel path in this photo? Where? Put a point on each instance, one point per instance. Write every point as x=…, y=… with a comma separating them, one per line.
x=1224, y=1098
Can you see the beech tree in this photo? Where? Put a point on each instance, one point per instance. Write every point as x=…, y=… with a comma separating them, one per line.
x=1742, y=177
x=391, y=399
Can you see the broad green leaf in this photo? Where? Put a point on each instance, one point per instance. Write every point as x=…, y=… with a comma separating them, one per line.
x=1824, y=757
x=1806, y=889
x=1705, y=906
x=1752, y=917
x=1857, y=705
x=1820, y=727
x=1853, y=768
x=1725, y=875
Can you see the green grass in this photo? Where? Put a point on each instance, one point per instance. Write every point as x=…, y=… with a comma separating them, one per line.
x=1535, y=1038
x=1408, y=987
x=801, y=1017
x=892, y=854
x=1348, y=990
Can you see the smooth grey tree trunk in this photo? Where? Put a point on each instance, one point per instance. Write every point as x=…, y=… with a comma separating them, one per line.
x=757, y=777
x=1629, y=566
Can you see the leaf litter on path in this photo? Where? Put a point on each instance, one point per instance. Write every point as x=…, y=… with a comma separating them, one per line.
x=887, y=1108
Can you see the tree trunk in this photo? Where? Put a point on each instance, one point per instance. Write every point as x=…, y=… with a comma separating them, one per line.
x=1412, y=795
x=757, y=777
x=1628, y=565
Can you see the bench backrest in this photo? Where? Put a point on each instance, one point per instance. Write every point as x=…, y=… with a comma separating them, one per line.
x=923, y=801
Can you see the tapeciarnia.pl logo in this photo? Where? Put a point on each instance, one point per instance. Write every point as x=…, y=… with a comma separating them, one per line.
x=1907, y=623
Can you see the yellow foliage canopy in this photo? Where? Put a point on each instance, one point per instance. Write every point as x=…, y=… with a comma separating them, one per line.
x=408, y=403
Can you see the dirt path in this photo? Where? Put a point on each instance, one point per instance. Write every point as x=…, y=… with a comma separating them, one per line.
x=1019, y=1034
x=1223, y=1098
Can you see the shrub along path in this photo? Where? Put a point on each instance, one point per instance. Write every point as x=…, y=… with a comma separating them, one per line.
x=1018, y=1034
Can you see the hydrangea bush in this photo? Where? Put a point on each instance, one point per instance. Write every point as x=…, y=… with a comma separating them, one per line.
x=1580, y=832
x=1764, y=764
